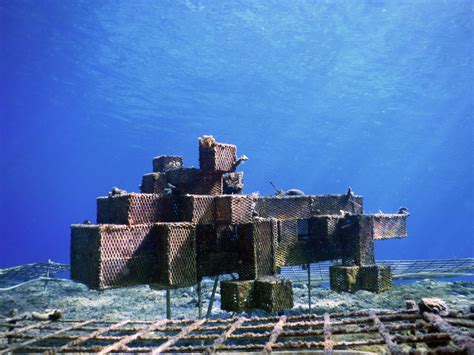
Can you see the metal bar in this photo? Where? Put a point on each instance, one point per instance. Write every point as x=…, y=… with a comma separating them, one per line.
x=211, y=301
x=309, y=288
x=199, y=297
x=46, y=336
x=128, y=339
x=458, y=336
x=178, y=337
x=328, y=342
x=221, y=340
x=168, y=303
x=92, y=335
x=392, y=346
x=38, y=324
x=277, y=329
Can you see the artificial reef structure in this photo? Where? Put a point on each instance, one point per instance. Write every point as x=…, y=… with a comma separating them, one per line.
x=189, y=223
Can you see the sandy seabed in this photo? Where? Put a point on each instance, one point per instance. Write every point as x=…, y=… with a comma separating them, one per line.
x=142, y=302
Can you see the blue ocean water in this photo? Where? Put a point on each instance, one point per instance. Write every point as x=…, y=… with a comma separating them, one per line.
x=320, y=95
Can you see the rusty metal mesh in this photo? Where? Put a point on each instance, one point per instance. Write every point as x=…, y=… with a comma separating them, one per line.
x=195, y=182
x=217, y=156
x=257, y=248
x=153, y=183
x=357, y=240
x=165, y=163
x=176, y=254
x=389, y=226
x=104, y=256
x=198, y=209
x=131, y=209
x=402, y=332
x=284, y=208
x=374, y=278
x=234, y=209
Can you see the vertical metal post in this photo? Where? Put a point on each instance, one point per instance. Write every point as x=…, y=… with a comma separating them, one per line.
x=168, y=303
x=199, y=294
x=309, y=287
x=47, y=276
x=211, y=301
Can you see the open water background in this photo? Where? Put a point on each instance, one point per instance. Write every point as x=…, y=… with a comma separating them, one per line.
x=321, y=95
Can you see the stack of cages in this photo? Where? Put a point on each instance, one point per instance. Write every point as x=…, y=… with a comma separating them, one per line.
x=179, y=229
x=190, y=223
x=357, y=235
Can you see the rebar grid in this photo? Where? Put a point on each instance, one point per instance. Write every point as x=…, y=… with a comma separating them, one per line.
x=397, y=332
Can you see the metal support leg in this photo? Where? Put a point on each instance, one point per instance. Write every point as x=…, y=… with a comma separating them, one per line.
x=309, y=288
x=199, y=294
x=211, y=301
x=168, y=303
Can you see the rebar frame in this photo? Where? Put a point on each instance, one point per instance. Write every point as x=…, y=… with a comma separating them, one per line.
x=405, y=331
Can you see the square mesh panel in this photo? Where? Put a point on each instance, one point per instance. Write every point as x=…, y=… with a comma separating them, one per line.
x=104, y=256
x=324, y=241
x=215, y=156
x=273, y=294
x=216, y=250
x=257, y=243
x=234, y=209
x=290, y=250
x=334, y=204
x=130, y=209
x=166, y=163
x=283, y=207
x=237, y=296
x=357, y=240
x=177, y=254
x=344, y=278
x=153, y=183
x=198, y=209
x=195, y=182
x=387, y=226
x=375, y=278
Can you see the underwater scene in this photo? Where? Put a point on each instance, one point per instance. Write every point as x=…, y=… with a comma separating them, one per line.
x=249, y=176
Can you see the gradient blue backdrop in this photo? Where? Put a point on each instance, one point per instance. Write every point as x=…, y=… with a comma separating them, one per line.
x=319, y=94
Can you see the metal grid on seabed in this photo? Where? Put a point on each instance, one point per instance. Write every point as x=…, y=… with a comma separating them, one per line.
x=401, y=269
x=23, y=273
x=380, y=331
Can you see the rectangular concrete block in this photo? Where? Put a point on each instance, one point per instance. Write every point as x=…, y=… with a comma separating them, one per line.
x=273, y=294
x=237, y=296
x=234, y=209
